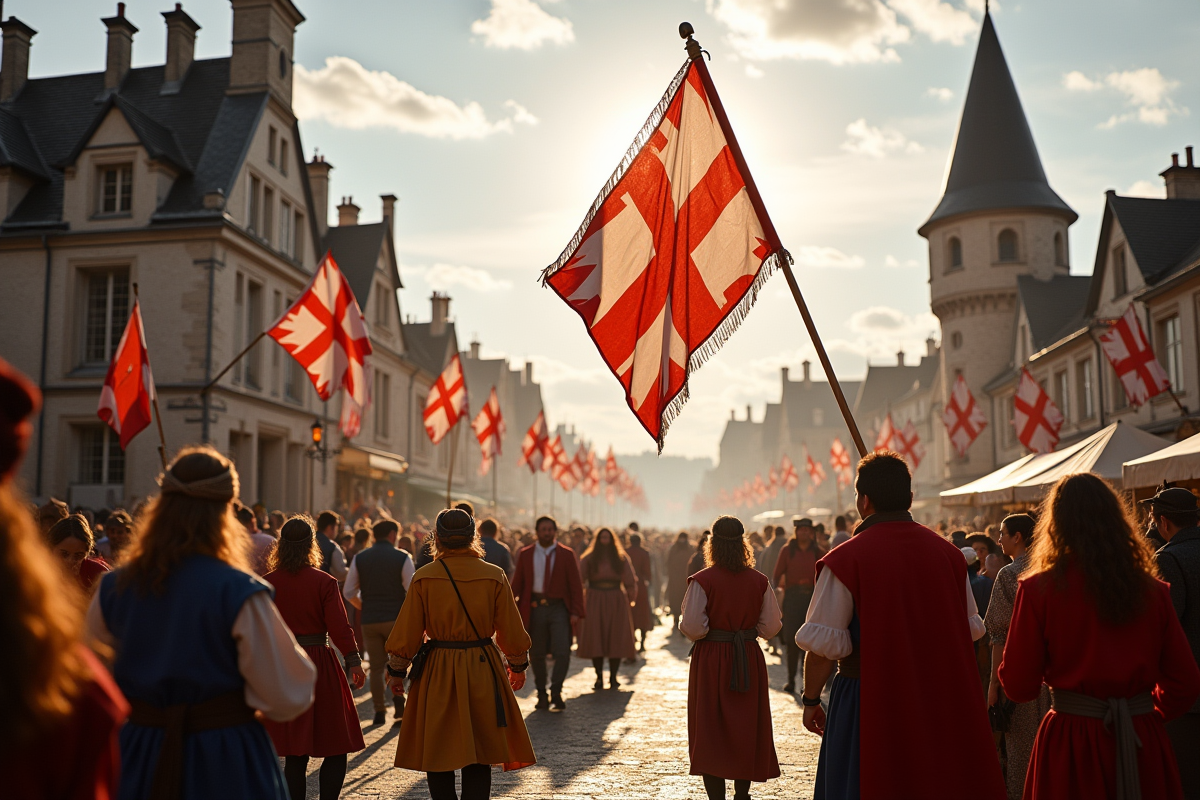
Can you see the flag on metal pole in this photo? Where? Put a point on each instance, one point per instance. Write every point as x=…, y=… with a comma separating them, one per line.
x=1125, y=345
x=533, y=447
x=1035, y=417
x=839, y=460
x=962, y=416
x=128, y=387
x=489, y=431
x=447, y=401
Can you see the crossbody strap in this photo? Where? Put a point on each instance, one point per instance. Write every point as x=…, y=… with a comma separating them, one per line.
x=454, y=585
x=501, y=720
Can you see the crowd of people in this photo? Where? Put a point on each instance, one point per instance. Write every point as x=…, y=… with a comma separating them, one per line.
x=194, y=647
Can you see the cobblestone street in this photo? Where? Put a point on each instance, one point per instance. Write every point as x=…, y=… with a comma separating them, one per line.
x=630, y=743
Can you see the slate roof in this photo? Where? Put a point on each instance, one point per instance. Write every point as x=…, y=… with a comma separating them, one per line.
x=427, y=351
x=356, y=248
x=481, y=374
x=1053, y=308
x=199, y=130
x=888, y=383
x=801, y=398
x=1163, y=234
x=995, y=162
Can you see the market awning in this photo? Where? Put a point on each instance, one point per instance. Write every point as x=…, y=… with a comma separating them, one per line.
x=357, y=455
x=1179, y=462
x=386, y=463
x=967, y=494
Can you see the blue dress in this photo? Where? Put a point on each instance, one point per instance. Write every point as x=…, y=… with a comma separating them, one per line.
x=177, y=647
x=837, y=766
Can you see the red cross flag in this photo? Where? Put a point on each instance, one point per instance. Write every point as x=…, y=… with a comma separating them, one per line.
x=1127, y=350
x=773, y=481
x=555, y=453
x=128, y=387
x=962, y=416
x=591, y=483
x=489, y=430
x=533, y=446
x=672, y=253
x=887, y=433
x=788, y=476
x=579, y=464
x=447, y=401
x=760, y=489
x=816, y=472
x=325, y=332
x=611, y=470
x=908, y=444
x=839, y=460
x=1035, y=416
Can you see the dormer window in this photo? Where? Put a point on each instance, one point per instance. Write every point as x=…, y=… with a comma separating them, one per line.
x=954, y=255
x=1007, y=245
x=116, y=189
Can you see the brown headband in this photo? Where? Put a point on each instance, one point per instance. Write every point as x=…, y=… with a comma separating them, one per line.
x=221, y=487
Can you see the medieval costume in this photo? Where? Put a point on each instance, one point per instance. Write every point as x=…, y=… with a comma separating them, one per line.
x=796, y=571
x=461, y=713
x=311, y=604
x=729, y=708
x=1145, y=666
x=606, y=632
x=677, y=576
x=643, y=612
x=901, y=592
x=549, y=592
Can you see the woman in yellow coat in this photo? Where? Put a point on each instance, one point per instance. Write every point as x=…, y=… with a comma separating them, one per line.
x=461, y=712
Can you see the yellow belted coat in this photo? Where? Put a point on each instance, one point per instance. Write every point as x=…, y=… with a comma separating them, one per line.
x=450, y=716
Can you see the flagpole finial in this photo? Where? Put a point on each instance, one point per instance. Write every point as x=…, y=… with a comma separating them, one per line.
x=691, y=45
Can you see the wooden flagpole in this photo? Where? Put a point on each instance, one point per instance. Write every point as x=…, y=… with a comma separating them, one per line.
x=236, y=359
x=495, y=466
x=450, y=472
x=162, y=439
x=535, y=497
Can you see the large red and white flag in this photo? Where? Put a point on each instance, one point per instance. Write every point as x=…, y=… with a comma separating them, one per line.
x=962, y=416
x=325, y=332
x=568, y=474
x=839, y=460
x=533, y=446
x=128, y=387
x=886, y=435
x=611, y=470
x=1127, y=350
x=447, y=401
x=580, y=463
x=1035, y=416
x=908, y=444
x=556, y=456
x=591, y=482
x=816, y=472
x=788, y=477
x=489, y=430
x=672, y=253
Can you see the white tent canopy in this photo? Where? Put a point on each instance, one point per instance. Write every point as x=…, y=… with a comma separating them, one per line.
x=1179, y=462
x=1028, y=478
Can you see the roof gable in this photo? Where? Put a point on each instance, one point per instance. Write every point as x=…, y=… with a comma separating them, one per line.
x=1053, y=308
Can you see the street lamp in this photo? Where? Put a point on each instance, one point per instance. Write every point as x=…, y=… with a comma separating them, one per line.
x=318, y=451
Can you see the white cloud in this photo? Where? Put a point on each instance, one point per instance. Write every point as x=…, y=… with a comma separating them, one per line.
x=447, y=276
x=347, y=95
x=940, y=21
x=866, y=140
x=940, y=93
x=520, y=113
x=1147, y=90
x=1145, y=188
x=753, y=71
x=816, y=257
x=522, y=25
x=895, y=263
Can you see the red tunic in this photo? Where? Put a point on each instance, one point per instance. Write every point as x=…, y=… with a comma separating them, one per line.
x=79, y=759
x=640, y=558
x=729, y=733
x=909, y=587
x=1056, y=637
x=310, y=603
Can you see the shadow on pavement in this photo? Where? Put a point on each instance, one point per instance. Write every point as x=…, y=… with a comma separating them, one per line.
x=572, y=741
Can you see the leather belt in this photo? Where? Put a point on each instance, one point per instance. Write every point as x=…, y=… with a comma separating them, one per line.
x=739, y=680
x=538, y=600
x=312, y=639
x=1118, y=714
x=223, y=711
x=604, y=585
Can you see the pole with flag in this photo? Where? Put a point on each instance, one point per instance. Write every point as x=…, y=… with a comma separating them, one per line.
x=128, y=392
x=444, y=407
x=671, y=255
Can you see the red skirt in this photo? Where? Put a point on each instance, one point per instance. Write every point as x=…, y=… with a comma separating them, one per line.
x=729, y=733
x=330, y=727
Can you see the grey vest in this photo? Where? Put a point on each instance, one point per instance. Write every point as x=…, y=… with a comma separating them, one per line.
x=1179, y=563
x=381, y=581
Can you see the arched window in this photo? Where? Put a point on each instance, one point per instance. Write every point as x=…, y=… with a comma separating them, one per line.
x=956, y=340
x=1060, y=253
x=954, y=253
x=1008, y=245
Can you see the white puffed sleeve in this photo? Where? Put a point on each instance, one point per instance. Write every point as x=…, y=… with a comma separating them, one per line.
x=694, y=620
x=280, y=678
x=978, y=626
x=826, y=629
x=770, y=618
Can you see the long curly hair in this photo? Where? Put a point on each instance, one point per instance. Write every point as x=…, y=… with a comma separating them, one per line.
x=40, y=623
x=728, y=547
x=612, y=552
x=294, y=551
x=176, y=526
x=1084, y=524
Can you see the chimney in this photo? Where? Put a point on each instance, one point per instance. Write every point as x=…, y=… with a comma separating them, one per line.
x=899, y=358
x=389, y=211
x=474, y=356
x=732, y=415
x=747, y=412
x=181, y=48
x=347, y=212
x=14, y=63
x=930, y=347
x=807, y=367
x=441, y=312
x=318, y=179
x=263, y=32
x=529, y=373
x=1183, y=182
x=784, y=371
x=120, y=49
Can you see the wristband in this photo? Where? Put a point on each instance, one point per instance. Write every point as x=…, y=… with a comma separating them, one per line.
x=353, y=659
x=397, y=673
x=810, y=702
x=518, y=667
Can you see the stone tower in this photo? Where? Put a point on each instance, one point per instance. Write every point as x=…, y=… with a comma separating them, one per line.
x=998, y=218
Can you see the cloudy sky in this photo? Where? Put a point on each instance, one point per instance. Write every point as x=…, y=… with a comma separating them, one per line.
x=497, y=121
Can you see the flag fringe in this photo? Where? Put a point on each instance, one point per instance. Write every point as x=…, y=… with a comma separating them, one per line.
x=719, y=337
x=639, y=142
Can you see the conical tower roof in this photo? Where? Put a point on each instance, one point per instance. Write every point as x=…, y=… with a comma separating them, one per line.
x=995, y=163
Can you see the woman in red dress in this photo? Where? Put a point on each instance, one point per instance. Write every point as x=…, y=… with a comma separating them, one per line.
x=1092, y=622
x=639, y=557
x=607, y=630
x=311, y=605
x=727, y=607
